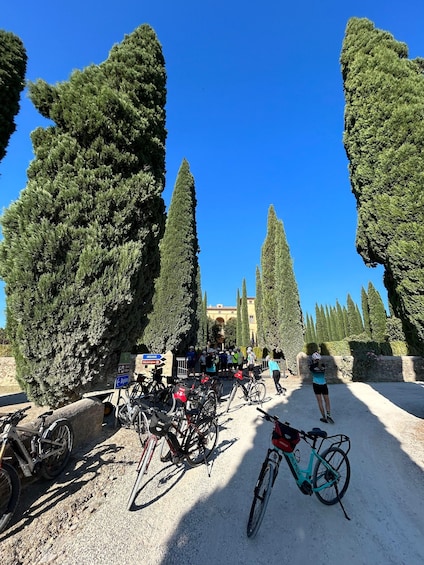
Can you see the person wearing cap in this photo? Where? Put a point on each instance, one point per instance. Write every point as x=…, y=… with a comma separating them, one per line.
x=319, y=384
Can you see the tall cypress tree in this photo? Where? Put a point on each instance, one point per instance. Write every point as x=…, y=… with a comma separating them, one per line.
x=245, y=330
x=270, y=321
x=378, y=316
x=173, y=322
x=239, y=332
x=289, y=312
x=365, y=311
x=384, y=142
x=80, y=249
x=258, y=309
x=354, y=321
x=13, y=61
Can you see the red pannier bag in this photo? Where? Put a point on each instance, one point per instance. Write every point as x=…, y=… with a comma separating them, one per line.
x=284, y=437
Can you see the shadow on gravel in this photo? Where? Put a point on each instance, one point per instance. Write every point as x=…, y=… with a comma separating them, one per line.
x=39, y=495
x=400, y=395
x=381, y=498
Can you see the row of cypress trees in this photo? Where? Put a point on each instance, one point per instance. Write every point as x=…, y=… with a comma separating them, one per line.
x=335, y=323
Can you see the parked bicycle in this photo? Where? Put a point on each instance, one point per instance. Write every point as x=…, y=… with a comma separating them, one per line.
x=48, y=453
x=327, y=474
x=131, y=410
x=195, y=444
x=252, y=388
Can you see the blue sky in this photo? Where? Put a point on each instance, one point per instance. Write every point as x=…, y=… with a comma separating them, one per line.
x=255, y=104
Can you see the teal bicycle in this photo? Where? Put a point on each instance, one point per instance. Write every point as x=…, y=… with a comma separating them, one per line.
x=327, y=474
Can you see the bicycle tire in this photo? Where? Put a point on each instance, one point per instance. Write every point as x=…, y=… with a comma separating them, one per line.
x=231, y=397
x=209, y=406
x=123, y=416
x=338, y=459
x=61, y=432
x=141, y=425
x=10, y=491
x=201, y=442
x=261, y=496
x=257, y=392
x=141, y=469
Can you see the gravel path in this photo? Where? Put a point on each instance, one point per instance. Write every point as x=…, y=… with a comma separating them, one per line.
x=187, y=517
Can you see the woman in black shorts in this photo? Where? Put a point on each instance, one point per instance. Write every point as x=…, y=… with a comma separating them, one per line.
x=320, y=387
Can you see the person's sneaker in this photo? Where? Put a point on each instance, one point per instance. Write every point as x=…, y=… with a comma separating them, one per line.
x=323, y=420
x=330, y=419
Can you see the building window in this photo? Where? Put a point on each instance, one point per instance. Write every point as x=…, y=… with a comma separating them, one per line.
x=251, y=319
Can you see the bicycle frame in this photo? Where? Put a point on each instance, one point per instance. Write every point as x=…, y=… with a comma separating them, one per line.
x=303, y=476
x=27, y=460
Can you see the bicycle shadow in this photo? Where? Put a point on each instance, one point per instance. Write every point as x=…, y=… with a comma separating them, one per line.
x=39, y=496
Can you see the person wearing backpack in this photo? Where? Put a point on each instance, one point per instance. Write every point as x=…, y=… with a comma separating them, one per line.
x=210, y=363
x=319, y=384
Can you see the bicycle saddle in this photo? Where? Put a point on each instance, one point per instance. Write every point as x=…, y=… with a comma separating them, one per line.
x=317, y=432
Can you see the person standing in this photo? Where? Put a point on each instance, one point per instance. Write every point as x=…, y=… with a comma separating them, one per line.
x=251, y=360
x=275, y=373
x=319, y=384
x=202, y=362
x=191, y=360
x=240, y=359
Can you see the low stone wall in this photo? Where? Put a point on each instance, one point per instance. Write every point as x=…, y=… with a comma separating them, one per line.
x=346, y=369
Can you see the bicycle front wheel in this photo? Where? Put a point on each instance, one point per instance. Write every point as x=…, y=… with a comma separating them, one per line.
x=331, y=479
x=257, y=392
x=142, y=468
x=57, y=443
x=201, y=442
x=10, y=490
x=261, y=496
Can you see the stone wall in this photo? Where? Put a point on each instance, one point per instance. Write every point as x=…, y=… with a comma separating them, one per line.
x=346, y=369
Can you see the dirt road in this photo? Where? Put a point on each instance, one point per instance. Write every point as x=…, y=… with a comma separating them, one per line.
x=187, y=517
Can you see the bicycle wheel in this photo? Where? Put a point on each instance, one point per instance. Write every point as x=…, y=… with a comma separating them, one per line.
x=10, y=490
x=123, y=416
x=208, y=408
x=142, y=466
x=231, y=397
x=261, y=496
x=62, y=437
x=201, y=442
x=257, y=392
x=141, y=425
x=339, y=475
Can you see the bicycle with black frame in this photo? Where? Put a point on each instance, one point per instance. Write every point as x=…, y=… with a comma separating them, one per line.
x=43, y=451
x=327, y=474
x=252, y=387
x=193, y=443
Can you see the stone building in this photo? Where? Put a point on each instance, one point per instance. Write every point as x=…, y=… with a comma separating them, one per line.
x=221, y=314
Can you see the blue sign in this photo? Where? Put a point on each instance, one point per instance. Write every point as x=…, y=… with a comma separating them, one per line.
x=121, y=381
x=152, y=357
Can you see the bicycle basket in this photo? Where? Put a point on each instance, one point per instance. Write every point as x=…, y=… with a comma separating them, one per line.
x=257, y=371
x=284, y=437
x=159, y=424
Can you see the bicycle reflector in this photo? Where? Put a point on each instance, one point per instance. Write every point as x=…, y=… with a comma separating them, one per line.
x=284, y=437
